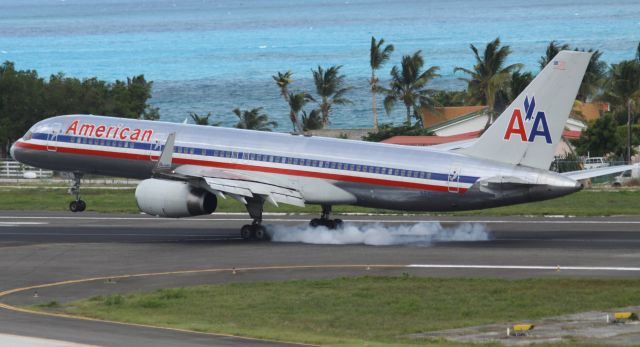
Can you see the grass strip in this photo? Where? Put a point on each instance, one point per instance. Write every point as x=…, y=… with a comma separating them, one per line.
x=584, y=203
x=373, y=311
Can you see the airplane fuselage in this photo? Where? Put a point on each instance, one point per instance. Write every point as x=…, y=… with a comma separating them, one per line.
x=326, y=171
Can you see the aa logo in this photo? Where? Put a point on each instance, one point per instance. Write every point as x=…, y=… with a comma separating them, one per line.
x=516, y=123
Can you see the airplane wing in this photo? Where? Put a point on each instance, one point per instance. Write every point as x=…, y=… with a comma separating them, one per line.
x=222, y=182
x=601, y=171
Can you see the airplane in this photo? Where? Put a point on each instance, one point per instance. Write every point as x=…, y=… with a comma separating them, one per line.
x=186, y=168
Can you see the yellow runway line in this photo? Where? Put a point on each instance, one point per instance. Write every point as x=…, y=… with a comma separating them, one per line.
x=167, y=273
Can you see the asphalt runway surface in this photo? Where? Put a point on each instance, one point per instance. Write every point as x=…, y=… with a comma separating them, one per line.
x=41, y=248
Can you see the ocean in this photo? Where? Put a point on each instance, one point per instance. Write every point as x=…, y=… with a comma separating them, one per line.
x=213, y=56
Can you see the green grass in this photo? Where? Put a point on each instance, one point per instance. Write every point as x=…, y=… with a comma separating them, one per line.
x=352, y=311
x=584, y=203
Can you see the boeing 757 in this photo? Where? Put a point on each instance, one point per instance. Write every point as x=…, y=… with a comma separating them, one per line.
x=185, y=169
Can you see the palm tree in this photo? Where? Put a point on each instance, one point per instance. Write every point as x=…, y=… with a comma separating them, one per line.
x=254, y=119
x=330, y=86
x=623, y=91
x=552, y=50
x=378, y=56
x=312, y=121
x=518, y=82
x=202, y=120
x=283, y=80
x=593, y=77
x=296, y=104
x=408, y=84
x=489, y=74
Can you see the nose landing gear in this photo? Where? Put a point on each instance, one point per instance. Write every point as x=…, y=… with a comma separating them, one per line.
x=78, y=205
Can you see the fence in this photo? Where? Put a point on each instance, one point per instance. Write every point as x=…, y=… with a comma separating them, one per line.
x=12, y=168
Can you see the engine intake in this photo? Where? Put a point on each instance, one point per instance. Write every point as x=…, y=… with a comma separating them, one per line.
x=173, y=199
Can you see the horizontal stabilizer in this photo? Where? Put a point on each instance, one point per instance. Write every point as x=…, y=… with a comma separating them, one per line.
x=600, y=171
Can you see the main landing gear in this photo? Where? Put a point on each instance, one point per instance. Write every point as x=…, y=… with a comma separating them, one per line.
x=78, y=205
x=325, y=219
x=255, y=230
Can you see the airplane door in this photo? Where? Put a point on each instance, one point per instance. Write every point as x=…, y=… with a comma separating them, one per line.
x=155, y=148
x=52, y=137
x=453, y=182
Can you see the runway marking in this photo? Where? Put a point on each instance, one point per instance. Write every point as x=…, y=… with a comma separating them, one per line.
x=151, y=234
x=21, y=340
x=13, y=224
x=486, y=221
x=116, y=277
x=267, y=268
x=525, y=267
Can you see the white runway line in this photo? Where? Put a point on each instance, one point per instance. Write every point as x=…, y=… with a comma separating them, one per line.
x=8, y=340
x=524, y=267
x=486, y=221
x=15, y=224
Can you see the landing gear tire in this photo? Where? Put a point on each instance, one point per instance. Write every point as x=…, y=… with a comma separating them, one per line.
x=254, y=232
x=327, y=223
x=260, y=233
x=325, y=220
x=77, y=206
x=245, y=232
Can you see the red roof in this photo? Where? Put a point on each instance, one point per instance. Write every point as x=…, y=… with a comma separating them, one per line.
x=571, y=134
x=430, y=140
x=436, y=140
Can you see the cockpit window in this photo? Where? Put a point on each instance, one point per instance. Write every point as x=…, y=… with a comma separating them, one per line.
x=27, y=136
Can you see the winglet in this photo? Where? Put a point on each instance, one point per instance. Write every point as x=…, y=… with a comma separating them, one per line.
x=164, y=162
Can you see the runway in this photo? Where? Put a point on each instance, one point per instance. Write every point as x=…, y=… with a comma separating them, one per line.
x=54, y=247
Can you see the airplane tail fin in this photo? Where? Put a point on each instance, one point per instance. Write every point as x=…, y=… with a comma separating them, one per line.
x=528, y=131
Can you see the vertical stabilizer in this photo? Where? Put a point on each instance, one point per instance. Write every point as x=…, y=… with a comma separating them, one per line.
x=529, y=130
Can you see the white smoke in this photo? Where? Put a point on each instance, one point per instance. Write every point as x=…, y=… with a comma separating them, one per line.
x=378, y=234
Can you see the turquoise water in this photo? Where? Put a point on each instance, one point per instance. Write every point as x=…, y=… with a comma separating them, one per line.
x=213, y=56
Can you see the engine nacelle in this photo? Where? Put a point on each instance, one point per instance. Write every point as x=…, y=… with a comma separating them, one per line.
x=173, y=199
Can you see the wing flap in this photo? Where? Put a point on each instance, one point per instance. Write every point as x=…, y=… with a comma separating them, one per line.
x=244, y=188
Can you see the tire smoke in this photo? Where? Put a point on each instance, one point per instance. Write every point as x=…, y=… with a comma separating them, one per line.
x=378, y=234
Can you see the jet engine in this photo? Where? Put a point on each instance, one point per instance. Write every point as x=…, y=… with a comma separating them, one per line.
x=173, y=199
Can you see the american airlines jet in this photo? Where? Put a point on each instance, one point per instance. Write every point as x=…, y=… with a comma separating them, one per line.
x=186, y=168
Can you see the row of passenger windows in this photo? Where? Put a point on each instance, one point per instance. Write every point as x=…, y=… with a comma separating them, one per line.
x=102, y=142
x=264, y=157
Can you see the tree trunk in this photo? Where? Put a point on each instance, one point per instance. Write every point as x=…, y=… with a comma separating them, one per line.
x=408, y=115
x=490, y=97
x=629, y=131
x=373, y=101
x=294, y=120
x=325, y=112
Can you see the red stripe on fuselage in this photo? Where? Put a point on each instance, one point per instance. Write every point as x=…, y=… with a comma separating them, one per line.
x=246, y=167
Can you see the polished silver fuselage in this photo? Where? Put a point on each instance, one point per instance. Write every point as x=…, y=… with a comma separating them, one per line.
x=325, y=170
